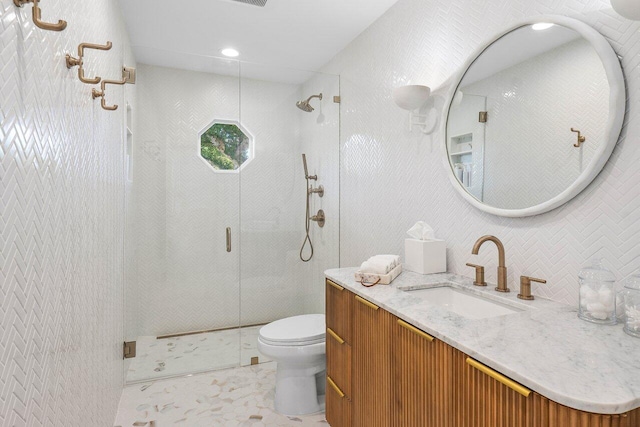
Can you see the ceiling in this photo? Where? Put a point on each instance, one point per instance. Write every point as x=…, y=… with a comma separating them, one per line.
x=296, y=34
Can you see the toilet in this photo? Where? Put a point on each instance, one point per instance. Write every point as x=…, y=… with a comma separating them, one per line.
x=297, y=344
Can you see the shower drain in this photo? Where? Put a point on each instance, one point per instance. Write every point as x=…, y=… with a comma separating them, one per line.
x=259, y=3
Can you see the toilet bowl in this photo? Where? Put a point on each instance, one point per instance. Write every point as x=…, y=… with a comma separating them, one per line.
x=297, y=344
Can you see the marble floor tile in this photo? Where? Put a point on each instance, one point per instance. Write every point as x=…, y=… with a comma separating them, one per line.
x=238, y=397
x=170, y=357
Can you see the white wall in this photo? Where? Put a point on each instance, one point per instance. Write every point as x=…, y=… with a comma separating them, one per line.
x=529, y=156
x=392, y=178
x=62, y=219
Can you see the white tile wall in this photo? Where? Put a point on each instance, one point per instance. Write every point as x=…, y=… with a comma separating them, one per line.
x=61, y=234
x=392, y=178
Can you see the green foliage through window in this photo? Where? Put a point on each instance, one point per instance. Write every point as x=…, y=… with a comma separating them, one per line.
x=224, y=146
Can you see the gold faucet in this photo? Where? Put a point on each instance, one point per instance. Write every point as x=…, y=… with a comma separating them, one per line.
x=502, y=269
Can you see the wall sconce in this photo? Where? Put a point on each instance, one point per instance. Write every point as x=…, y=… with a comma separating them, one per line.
x=411, y=98
x=629, y=9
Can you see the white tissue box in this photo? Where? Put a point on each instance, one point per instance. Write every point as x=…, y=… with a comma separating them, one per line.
x=425, y=256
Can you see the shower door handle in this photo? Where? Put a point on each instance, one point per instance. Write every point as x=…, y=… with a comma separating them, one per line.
x=228, y=239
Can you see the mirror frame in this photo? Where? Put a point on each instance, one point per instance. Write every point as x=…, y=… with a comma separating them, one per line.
x=617, y=105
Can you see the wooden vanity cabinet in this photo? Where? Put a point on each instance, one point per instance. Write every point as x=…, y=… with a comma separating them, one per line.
x=396, y=375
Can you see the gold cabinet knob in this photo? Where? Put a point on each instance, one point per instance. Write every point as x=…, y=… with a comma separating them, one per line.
x=525, y=286
x=479, y=274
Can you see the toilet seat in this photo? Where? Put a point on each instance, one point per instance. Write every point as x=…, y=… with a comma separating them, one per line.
x=307, y=329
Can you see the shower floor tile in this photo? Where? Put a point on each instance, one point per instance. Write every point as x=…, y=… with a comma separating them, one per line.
x=231, y=397
x=170, y=357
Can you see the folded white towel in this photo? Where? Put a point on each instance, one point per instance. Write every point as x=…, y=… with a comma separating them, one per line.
x=393, y=259
x=380, y=264
x=375, y=267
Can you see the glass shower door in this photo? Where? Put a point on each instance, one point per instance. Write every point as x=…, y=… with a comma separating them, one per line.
x=183, y=216
x=275, y=281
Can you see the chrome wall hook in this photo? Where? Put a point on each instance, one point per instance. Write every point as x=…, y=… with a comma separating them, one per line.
x=37, y=16
x=79, y=61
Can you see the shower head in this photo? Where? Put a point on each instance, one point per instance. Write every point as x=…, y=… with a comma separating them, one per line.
x=304, y=105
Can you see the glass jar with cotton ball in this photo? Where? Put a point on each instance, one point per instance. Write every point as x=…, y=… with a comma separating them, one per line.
x=631, y=304
x=597, y=294
x=629, y=9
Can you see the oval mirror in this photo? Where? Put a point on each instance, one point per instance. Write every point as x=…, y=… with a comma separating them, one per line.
x=533, y=117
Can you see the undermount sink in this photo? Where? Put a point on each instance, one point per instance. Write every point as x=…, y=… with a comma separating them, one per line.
x=463, y=303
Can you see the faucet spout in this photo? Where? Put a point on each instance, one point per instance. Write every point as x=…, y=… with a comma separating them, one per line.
x=502, y=269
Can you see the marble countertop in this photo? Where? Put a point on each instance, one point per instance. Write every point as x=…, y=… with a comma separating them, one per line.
x=545, y=347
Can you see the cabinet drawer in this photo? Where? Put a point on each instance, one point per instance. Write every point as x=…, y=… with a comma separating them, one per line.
x=338, y=407
x=339, y=361
x=338, y=307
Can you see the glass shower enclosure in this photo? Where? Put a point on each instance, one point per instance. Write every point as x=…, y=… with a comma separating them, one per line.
x=216, y=204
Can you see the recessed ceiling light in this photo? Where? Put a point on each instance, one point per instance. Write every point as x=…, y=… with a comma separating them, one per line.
x=541, y=26
x=230, y=52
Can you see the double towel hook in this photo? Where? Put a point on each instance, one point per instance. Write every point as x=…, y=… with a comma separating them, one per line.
x=95, y=93
x=73, y=62
x=37, y=16
x=128, y=76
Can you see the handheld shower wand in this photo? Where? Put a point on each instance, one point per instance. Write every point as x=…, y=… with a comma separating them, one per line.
x=306, y=171
x=319, y=218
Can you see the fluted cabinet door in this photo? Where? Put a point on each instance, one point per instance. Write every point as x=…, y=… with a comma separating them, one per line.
x=371, y=372
x=483, y=401
x=421, y=378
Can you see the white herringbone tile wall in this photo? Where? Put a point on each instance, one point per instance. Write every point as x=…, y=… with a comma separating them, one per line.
x=391, y=178
x=61, y=233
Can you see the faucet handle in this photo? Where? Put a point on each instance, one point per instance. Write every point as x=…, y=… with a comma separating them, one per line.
x=479, y=274
x=525, y=286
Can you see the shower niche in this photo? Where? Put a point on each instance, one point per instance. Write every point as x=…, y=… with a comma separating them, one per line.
x=217, y=211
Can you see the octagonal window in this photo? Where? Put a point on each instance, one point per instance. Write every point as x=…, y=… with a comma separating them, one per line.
x=225, y=146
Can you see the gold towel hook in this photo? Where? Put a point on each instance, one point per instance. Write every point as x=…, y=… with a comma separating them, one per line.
x=37, y=16
x=79, y=61
x=95, y=93
x=581, y=138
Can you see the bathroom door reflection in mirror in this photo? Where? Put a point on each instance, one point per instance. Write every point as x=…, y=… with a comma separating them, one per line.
x=509, y=130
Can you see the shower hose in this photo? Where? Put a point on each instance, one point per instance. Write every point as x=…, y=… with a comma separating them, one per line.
x=307, y=224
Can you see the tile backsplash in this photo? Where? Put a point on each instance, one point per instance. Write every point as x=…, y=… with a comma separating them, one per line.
x=392, y=178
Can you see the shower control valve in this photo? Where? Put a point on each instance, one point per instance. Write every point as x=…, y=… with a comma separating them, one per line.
x=319, y=190
x=319, y=218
